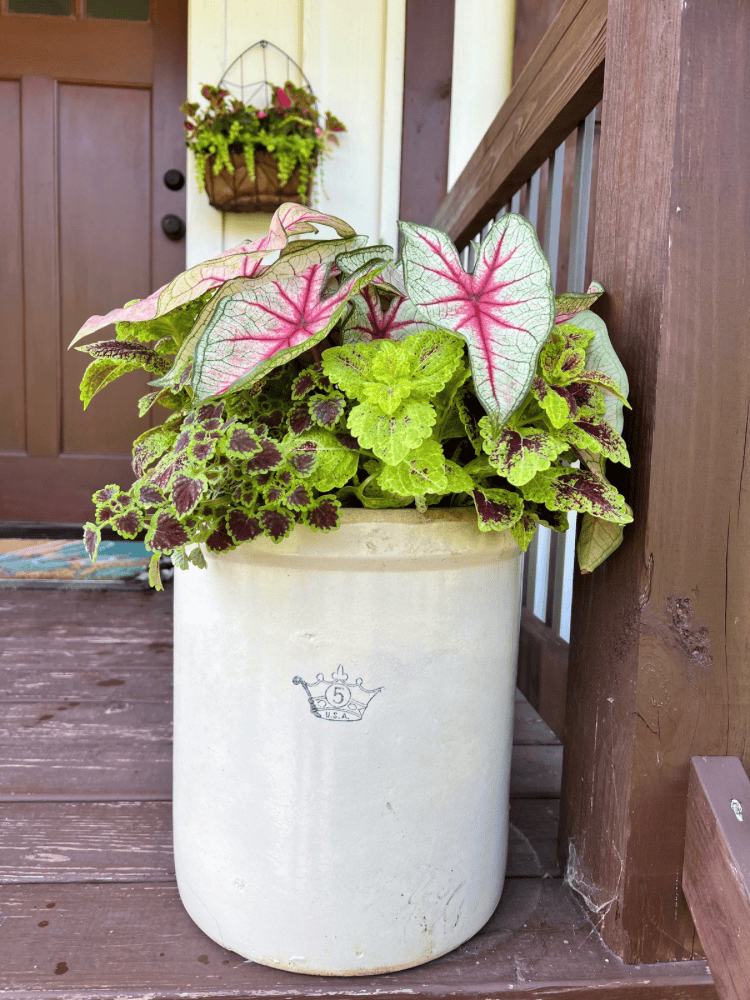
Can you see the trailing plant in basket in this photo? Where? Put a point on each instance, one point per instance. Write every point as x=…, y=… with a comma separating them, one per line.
x=334, y=376
x=290, y=129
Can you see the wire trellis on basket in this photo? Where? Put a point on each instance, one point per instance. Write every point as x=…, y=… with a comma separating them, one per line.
x=247, y=78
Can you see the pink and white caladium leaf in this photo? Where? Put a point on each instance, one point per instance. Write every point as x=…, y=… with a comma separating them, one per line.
x=370, y=321
x=601, y=357
x=244, y=260
x=259, y=325
x=571, y=303
x=504, y=310
x=322, y=250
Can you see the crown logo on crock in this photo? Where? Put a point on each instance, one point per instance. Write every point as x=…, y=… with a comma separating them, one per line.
x=337, y=698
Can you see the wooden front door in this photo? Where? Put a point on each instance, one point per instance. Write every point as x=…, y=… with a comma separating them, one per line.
x=89, y=98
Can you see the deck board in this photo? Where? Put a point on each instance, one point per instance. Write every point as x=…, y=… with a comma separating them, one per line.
x=89, y=909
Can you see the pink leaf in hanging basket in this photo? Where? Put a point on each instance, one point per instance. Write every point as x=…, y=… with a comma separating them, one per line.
x=244, y=260
x=504, y=310
x=283, y=98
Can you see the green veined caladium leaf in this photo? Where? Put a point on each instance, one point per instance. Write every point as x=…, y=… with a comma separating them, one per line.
x=520, y=454
x=244, y=260
x=257, y=326
x=570, y=303
x=598, y=540
x=504, y=310
x=577, y=489
x=601, y=356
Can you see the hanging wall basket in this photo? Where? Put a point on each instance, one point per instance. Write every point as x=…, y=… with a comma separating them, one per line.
x=247, y=79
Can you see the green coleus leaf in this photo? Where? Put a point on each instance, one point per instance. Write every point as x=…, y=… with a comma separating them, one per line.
x=596, y=436
x=597, y=540
x=520, y=454
x=128, y=351
x=577, y=489
x=422, y=471
x=100, y=373
x=601, y=356
x=322, y=456
x=152, y=446
x=523, y=531
x=154, y=575
x=560, y=364
x=571, y=303
x=392, y=437
x=563, y=403
x=497, y=509
x=504, y=310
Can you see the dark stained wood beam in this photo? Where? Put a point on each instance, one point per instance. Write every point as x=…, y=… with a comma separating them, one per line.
x=716, y=875
x=533, y=19
x=557, y=88
x=428, y=68
x=543, y=670
x=661, y=632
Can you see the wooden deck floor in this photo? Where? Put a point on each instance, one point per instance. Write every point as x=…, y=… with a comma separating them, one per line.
x=88, y=903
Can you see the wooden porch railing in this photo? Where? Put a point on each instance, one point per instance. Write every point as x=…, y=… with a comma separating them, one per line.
x=660, y=633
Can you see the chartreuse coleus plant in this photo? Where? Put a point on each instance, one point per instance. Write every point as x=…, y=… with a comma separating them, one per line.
x=334, y=376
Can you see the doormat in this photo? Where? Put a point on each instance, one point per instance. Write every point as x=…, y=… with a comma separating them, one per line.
x=66, y=565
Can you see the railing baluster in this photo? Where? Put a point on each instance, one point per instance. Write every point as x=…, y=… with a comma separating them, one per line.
x=554, y=209
x=532, y=212
x=515, y=202
x=579, y=227
x=537, y=558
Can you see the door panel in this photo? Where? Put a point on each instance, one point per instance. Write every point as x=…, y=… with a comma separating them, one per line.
x=89, y=126
x=12, y=423
x=105, y=225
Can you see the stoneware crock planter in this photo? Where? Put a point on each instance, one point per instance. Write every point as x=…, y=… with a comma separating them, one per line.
x=343, y=733
x=238, y=192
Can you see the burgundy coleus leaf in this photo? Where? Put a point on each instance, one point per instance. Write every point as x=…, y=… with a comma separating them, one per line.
x=504, y=310
x=323, y=515
x=255, y=326
x=497, y=509
x=276, y=523
x=128, y=523
x=186, y=492
x=211, y=411
x=369, y=320
x=149, y=495
x=105, y=511
x=348, y=441
x=326, y=410
x=106, y=494
x=578, y=489
x=244, y=260
x=91, y=537
x=243, y=526
x=273, y=493
x=182, y=442
x=272, y=418
x=303, y=384
x=300, y=419
x=241, y=442
x=470, y=413
x=303, y=457
x=220, y=539
x=268, y=458
x=165, y=532
x=298, y=499
x=567, y=305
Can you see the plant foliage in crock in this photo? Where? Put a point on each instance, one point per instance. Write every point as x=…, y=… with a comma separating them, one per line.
x=289, y=128
x=335, y=376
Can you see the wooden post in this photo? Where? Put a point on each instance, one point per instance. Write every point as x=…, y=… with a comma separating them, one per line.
x=660, y=643
x=716, y=877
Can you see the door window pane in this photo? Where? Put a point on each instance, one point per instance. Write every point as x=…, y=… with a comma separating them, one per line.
x=121, y=10
x=59, y=7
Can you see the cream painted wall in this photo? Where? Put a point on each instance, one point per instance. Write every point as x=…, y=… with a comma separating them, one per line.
x=353, y=55
x=482, y=67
